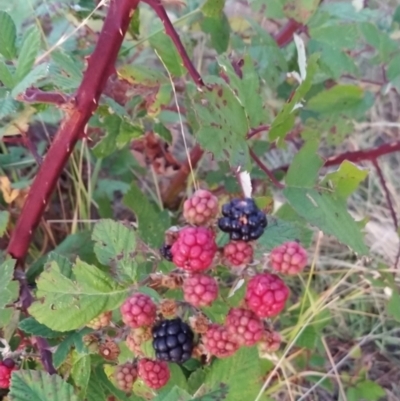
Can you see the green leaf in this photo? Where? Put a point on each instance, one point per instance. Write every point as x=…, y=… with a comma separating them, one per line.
x=163, y=132
x=308, y=338
x=31, y=78
x=95, y=391
x=303, y=171
x=300, y=10
x=338, y=99
x=38, y=385
x=284, y=121
x=5, y=75
x=346, y=179
x=247, y=89
x=166, y=50
x=213, y=8
x=110, y=388
x=8, y=106
x=242, y=367
x=219, y=30
x=115, y=246
x=370, y=391
x=4, y=218
x=32, y=326
x=337, y=35
x=6, y=316
x=72, y=340
x=378, y=39
x=8, y=34
x=280, y=231
x=79, y=244
x=70, y=65
x=27, y=54
x=216, y=395
x=329, y=213
x=393, y=305
x=80, y=373
x=65, y=305
x=6, y=275
x=175, y=394
x=222, y=124
x=152, y=223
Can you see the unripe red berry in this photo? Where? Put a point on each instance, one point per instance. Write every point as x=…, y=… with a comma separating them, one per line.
x=138, y=310
x=125, y=376
x=218, y=342
x=200, y=208
x=194, y=249
x=270, y=341
x=238, y=253
x=266, y=295
x=154, y=374
x=288, y=258
x=244, y=326
x=200, y=290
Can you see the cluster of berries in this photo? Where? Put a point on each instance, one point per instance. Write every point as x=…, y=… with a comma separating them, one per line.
x=193, y=250
x=7, y=366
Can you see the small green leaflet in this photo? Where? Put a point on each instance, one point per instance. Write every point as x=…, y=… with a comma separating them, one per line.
x=65, y=305
x=80, y=373
x=7, y=292
x=219, y=30
x=213, y=8
x=38, y=385
x=8, y=34
x=175, y=394
x=5, y=75
x=4, y=217
x=27, y=54
x=33, y=76
x=115, y=246
x=300, y=10
x=216, y=395
x=32, y=326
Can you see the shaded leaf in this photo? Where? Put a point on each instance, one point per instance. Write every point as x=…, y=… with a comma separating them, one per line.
x=219, y=30
x=80, y=373
x=5, y=75
x=31, y=78
x=175, y=394
x=300, y=10
x=213, y=8
x=32, y=326
x=38, y=385
x=152, y=224
x=6, y=275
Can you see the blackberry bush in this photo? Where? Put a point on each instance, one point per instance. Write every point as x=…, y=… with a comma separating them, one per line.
x=173, y=340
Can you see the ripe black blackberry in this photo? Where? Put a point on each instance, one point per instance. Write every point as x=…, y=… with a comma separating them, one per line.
x=165, y=252
x=173, y=340
x=242, y=219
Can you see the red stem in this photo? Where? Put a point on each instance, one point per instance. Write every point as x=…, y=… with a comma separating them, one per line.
x=100, y=66
x=34, y=95
x=285, y=35
x=357, y=156
x=266, y=170
x=159, y=9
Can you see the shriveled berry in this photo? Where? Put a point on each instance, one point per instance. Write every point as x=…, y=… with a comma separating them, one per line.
x=218, y=342
x=165, y=252
x=109, y=350
x=194, y=249
x=173, y=340
x=6, y=368
x=200, y=208
x=200, y=290
x=244, y=326
x=138, y=310
x=289, y=258
x=100, y=321
x=154, y=374
x=266, y=295
x=125, y=376
x=238, y=253
x=242, y=219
